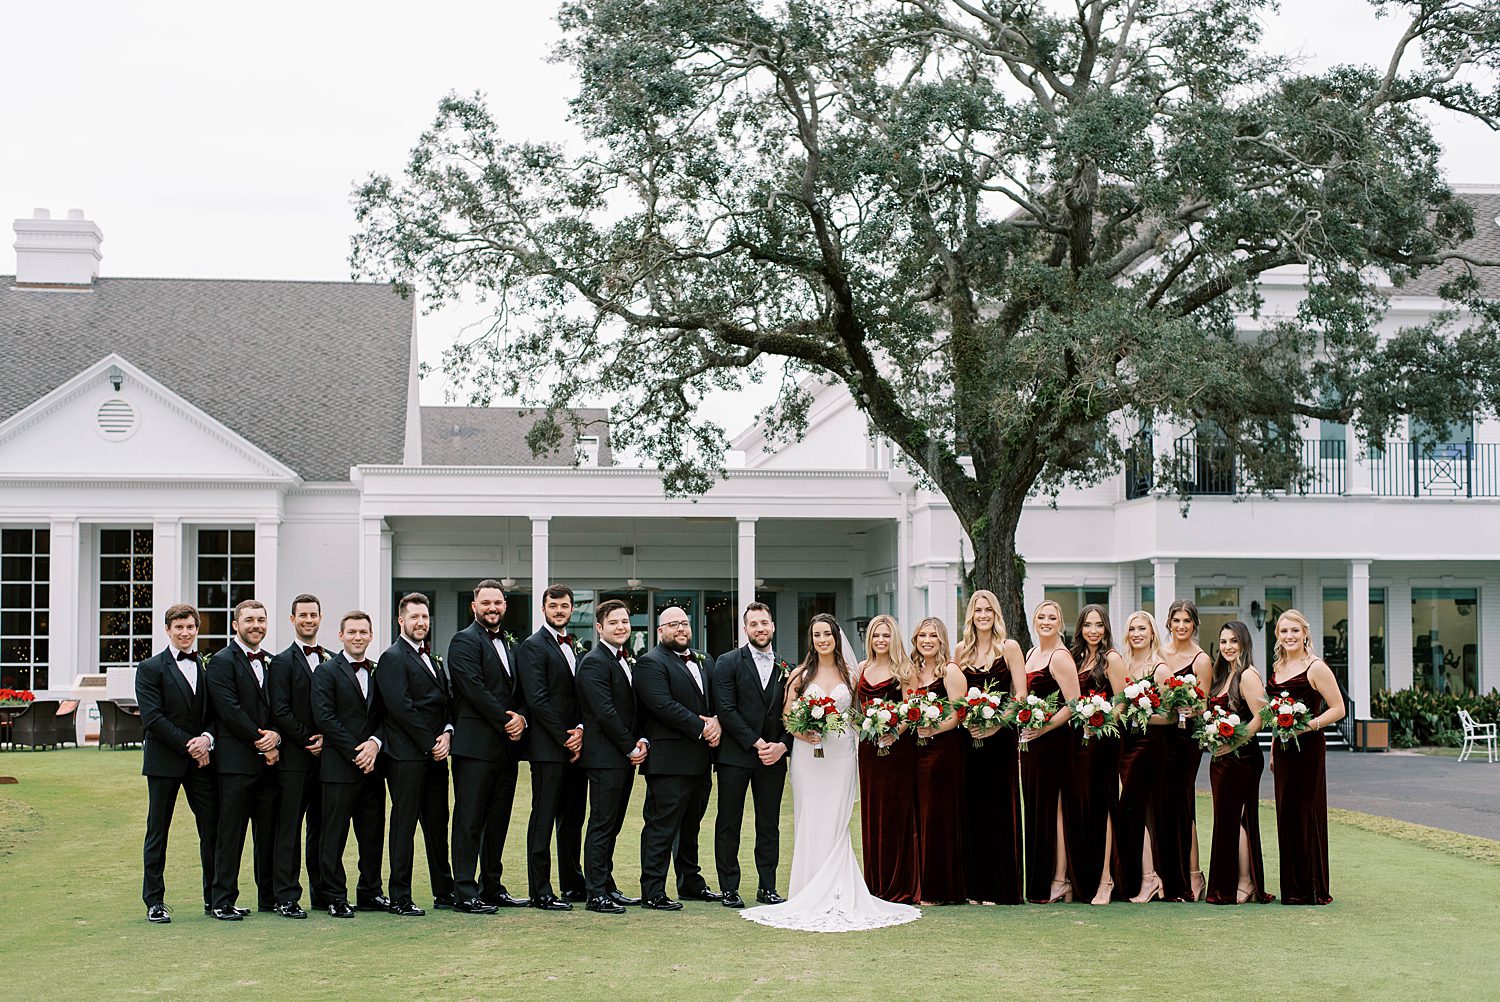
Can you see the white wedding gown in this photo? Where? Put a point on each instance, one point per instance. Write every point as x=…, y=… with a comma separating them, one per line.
x=828, y=892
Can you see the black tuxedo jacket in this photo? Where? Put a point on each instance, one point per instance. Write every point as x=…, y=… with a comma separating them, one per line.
x=747, y=710
x=171, y=713
x=607, y=704
x=549, y=687
x=291, y=706
x=484, y=694
x=670, y=707
x=241, y=707
x=415, y=705
x=344, y=716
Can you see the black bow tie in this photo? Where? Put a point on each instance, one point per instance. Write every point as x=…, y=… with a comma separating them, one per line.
x=687, y=658
x=357, y=665
x=256, y=655
x=188, y=656
x=493, y=636
x=314, y=649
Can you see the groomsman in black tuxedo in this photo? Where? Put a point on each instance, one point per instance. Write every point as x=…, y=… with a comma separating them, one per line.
x=347, y=714
x=489, y=722
x=748, y=686
x=299, y=790
x=414, y=694
x=546, y=662
x=172, y=694
x=674, y=690
x=606, y=702
x=247, y=744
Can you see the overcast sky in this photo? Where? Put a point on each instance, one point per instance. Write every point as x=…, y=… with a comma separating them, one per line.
x=213, y=140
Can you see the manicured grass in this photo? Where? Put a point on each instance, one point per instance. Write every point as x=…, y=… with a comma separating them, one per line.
x=1408, y=920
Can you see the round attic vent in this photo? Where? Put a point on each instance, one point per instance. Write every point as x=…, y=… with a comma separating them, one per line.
x=116, y=419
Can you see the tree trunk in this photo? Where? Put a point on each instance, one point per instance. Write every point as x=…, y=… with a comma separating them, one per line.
x=998, y=567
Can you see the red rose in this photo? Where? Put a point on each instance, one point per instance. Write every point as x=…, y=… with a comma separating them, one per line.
x=913, y=713
x=1284, y=720
x=1023, y=717
x=1226, y=729
x=1097, y=719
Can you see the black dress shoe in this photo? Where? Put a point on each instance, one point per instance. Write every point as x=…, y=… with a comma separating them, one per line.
x=291, y=910
x=407, y=909
x=474, y=906
x=208, y=909
x=621, y=899
x=605, y=905
x=228, y=915
x=340, y=909
x=706, y=894
x=732, y=900
x=443, y=901
x=662, y=903
x=549, y=903
x=575, y=896
x=379, y=903
x=766, y=897
x=507, y=900
x=160, y=915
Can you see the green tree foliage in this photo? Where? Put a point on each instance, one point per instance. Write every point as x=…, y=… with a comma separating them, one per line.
x=1016, y=231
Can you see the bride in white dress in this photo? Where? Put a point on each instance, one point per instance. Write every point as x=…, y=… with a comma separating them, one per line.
x=828, y=892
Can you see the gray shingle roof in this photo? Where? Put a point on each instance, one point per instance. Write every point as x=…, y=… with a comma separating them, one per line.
x=1485, y=245
x=496, y=436
x=315, y=373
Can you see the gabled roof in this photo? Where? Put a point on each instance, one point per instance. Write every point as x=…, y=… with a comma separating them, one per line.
x=315, y=373
x=496, y=436
x=1484, y=245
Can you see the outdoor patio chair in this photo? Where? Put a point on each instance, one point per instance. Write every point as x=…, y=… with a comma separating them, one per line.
x=118, y=727
x=67, y=722
x=1475, y=733
x=36, y=726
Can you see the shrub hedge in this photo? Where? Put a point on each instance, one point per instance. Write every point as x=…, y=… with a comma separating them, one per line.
x=1424, y=717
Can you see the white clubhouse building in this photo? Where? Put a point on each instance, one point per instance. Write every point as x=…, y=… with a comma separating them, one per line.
x=168, y=440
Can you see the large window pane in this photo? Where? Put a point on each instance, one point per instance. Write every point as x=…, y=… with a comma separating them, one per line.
x=23, y=608
x=125, y=596
x=1445, y=638
x=226, y=576
x=810, y=604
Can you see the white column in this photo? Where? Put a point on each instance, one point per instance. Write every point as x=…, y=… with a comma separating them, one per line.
x=903, y=565
x=167, y=584
x=1122, y=599
x=1161, y=449
x=942, y=598
x=1359, y=636
x=1033, y=591
x=1399, y=666
x=63, y=613
x=745, y=581
x=375, y=578
x=539, y=580
x=1164, y=581
x=1356, y=466
x=267, y=583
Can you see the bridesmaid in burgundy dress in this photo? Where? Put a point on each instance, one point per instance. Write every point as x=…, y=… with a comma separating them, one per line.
x=1236, y=873
x=1142, y=757
x=888, y=783
x=1096, y=763
x=1047, y=762
x=1301, y=782
x=940, y=773
x=1177, y=812
x=992, y=831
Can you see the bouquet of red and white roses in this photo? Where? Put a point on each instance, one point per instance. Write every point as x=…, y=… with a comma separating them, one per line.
x=1181, y=693
x=1138, y=702
x=925, y=709
x=1031, y=711
x=1286, y=716
x=1221, y=729
x=982, y=709
x=880, y=717
x=1092, y=716
x=815, y=715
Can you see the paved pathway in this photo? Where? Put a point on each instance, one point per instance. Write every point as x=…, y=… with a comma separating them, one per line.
x=1425, y=789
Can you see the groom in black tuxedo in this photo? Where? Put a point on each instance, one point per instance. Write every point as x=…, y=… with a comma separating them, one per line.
x=674, y=690
x=748, y=687
x=299, y=791
x=172, y=693
x=546, y=662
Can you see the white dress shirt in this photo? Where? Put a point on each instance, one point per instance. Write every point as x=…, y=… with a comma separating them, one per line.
x=567, y=651
x=499, y=644
x=765, y=663
x=624, y=665
x=256, y=667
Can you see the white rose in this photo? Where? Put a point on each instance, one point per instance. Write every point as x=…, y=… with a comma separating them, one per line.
x=1299, y=707
x=1234, y=718
x=931, y=712
x=817, y=713
x=973, y=691
x=869, y=711
x=1144, y=702
x=987, y=712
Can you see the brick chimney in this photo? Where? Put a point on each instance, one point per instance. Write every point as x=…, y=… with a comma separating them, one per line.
x=57, y=253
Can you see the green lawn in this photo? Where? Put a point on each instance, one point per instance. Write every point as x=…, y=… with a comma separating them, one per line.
x=1408, y=919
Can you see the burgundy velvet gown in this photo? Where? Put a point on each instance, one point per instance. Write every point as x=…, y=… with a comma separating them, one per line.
x=888, y=812
x=1046, y=775
x=992, y=818
x=1142, y=757
x=1095, y=799
x=1302, y=805
x=1176, y=808
x=1236, y=784
x=941, y=853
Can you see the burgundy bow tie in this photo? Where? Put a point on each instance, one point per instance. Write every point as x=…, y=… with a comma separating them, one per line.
x=256, y=655
x=493, y=636
x=314, y=649
x=423, y=649
x=623, y=659
x=687, y=658
x=357, y=665
x=563, y=640
x=188, y=656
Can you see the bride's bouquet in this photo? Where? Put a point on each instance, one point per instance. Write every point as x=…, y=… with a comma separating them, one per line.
x=925, y=709
x=1220, y=729
x=1138, y=703
x=1092, y=716
x=981, y=710
x=1032, y=711
x=1181, y=693
x=1287, y=717
x=815, y=715
x=880, y=717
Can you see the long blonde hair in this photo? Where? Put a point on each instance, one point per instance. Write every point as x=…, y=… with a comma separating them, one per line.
x=901, y=667
x=968, y=647
x=1154, y=651
x=1300, y=620
x=945, y=654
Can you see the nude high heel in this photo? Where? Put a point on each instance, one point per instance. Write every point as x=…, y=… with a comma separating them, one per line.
x=1151, y=889
x=1104, y=893
x=1197, y=885
x=1062, y=890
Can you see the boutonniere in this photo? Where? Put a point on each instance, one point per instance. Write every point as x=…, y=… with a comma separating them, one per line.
x=510, y=639
x=693, y=656
x=437, y=659
x=783, y=669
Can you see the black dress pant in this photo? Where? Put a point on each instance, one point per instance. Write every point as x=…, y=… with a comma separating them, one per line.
x=419, y=793
x=609, y=798
x=161, y=800
x=559, y=795
x=299, y=798
x=765, y=786
x=483, y=794
x=674, y=810
x=246, y=799
x=363, y=802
